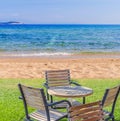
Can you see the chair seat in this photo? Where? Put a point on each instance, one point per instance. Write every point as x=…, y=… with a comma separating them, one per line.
x=65, y=104
x=41, y=115
x=74, y=102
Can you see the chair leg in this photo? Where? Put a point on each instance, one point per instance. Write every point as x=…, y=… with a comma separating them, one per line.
x=51, y=99
x=113, y=119
x=47, y=96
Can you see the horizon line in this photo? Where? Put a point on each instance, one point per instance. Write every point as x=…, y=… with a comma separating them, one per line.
x=21, y=23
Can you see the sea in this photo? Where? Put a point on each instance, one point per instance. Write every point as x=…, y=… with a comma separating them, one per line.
x=50, y=40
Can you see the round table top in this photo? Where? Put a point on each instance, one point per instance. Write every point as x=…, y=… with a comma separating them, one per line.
x=70, y=91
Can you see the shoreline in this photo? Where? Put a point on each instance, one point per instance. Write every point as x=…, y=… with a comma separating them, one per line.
x=57, y=54
x=65, y=55
x=81, y=66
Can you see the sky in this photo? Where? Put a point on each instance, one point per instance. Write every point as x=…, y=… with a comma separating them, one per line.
x=61, y=11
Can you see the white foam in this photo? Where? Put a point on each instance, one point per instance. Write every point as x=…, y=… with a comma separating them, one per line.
x=35, y=54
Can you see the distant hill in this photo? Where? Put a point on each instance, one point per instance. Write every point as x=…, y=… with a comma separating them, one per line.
x=10, y=23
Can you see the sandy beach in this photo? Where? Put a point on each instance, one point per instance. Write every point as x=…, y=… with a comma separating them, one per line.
x=105, y=66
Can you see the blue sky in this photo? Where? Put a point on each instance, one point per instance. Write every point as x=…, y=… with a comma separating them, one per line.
x=61, y=11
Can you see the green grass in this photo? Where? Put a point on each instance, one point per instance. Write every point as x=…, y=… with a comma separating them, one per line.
x=11, y=108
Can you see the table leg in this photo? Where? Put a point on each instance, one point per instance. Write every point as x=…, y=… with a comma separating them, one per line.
x=51, y=99
x=83, y=100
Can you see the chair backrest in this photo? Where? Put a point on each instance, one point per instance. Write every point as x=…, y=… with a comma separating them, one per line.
x=86, y=112
x=57, y=77
x=110, y=97
x=34, y=98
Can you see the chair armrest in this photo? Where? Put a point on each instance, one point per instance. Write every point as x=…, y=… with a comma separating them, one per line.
x=58, y=102
x=75, y=83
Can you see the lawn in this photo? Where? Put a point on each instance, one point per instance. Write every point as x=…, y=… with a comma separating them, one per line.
x=11, y=108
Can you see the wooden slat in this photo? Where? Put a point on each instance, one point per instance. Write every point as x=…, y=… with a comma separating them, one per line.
x=113, y=91
x=57, y=73
x=95, y=118
x=58, y=84
x=38, y=116
x=84, y=110
x=53, y=71
x=36, y=105
x=87, y=112
x=41, y=115
x=109, y=101
x=111, y=96
x=33, y=92
x=60, y=73
x=33, y=98
x=58, y=81
x=58, y=78
x=83, y=106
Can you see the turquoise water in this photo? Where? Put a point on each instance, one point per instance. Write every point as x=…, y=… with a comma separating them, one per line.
x=58, y=39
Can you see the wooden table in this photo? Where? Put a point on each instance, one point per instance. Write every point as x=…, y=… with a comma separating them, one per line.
x=70, y=91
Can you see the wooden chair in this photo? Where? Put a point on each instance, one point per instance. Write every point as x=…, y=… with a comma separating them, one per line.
x=58, y=78
x=109, y=99
x=36, y=99
x=86, y=112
